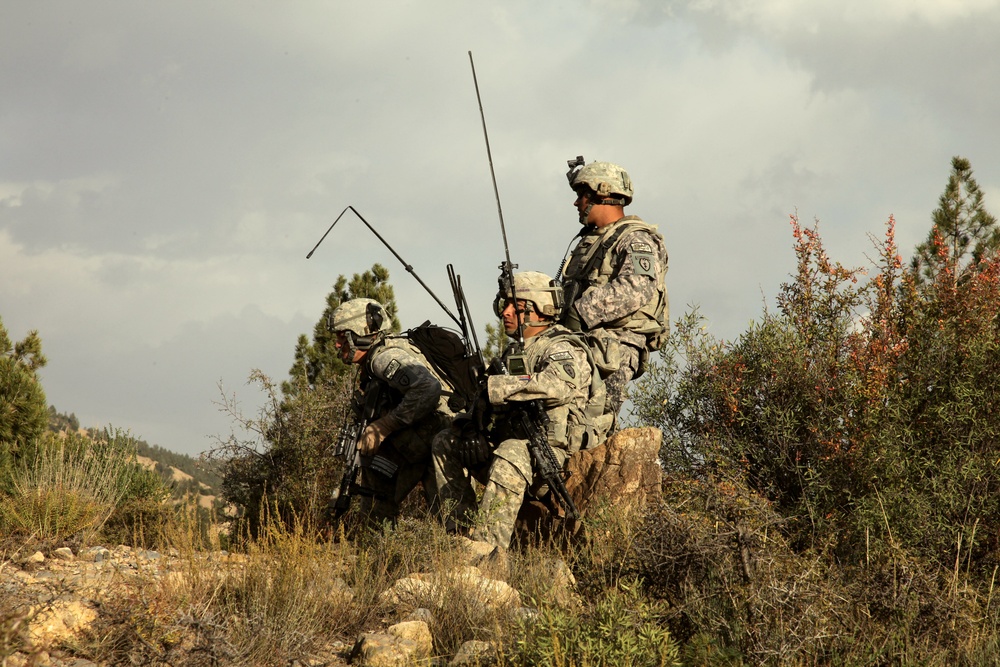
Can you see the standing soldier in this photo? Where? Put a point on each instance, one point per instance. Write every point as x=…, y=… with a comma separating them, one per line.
x=615, y=276
x=411, y=405
x=553, y=368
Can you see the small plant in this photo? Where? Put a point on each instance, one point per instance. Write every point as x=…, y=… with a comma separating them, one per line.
x=622, y=627
x=69, y=485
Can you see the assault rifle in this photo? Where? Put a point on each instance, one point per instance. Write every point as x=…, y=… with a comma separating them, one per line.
x=534, y=421
x=347, y=448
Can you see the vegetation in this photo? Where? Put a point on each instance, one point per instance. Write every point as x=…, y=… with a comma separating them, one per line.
x=864, y=414
x=286, y=466
x=22, y=401
x=831, y=494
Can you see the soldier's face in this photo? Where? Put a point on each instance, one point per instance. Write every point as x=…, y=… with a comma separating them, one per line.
x=581, y=204
x=513, y=317
x=347, y=355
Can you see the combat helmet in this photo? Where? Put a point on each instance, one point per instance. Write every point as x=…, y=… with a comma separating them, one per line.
x=605, y=179
x=544, y=294
x=362, y=321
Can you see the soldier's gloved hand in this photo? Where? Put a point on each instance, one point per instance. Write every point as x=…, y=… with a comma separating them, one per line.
x=474, y=450
x=470, y=445
x=374, y=434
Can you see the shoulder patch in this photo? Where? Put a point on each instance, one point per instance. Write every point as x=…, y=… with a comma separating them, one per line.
x=639, y=246
x=392, y=369
x=561, y=356
x=643, y=265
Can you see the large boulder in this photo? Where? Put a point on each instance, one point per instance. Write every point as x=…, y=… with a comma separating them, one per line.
x=624, y=471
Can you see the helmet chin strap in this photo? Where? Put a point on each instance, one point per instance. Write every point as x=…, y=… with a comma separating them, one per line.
x=585, y=213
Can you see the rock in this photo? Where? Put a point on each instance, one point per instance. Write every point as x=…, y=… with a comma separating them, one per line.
x=561, y=584
x=421, y=614
x=60, y=620
x=383, y=650
x=475, y=549
x=94, y=554
x=63, y=553
x=524, y=614
x=623, y=471
x=419, y=633
x=422, y=590
x=36, y=558
x=412, y=592
x=475, y=653
x=343, y=590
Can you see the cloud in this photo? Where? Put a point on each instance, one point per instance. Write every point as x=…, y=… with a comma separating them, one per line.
x=167, y=166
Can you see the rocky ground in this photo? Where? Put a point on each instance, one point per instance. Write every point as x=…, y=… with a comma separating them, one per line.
x=49, y=601
x=61, y=595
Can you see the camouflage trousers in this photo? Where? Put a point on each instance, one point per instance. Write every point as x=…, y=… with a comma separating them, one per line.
x=453, y=484
x=617, y=381
x=511, y=477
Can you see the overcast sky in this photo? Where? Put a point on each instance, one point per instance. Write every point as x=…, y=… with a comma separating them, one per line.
x=166, y=166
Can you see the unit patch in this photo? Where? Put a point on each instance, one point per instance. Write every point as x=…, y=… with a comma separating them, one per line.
x=570, y=371
x=561, y=356
x=642, y=247
x=643, y=264
x=391, y=369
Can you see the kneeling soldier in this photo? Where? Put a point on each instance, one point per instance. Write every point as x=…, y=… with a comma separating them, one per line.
x=410, y=406
x=553, y=370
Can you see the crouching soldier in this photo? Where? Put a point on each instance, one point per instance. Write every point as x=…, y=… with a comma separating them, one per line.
x=409, y=407
x=552, y=376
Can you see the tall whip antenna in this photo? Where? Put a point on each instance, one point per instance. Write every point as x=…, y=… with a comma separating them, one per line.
x=506, y=268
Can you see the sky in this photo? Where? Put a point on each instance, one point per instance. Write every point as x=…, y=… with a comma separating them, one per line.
x=165, y=167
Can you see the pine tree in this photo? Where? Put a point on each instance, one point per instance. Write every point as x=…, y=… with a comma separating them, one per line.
x=963, y=232
x=496, y=341
x=23, y=408
x=317, y=361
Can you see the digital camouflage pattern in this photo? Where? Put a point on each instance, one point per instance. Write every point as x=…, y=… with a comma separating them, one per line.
x=535, y=287
x=354, y=316
x=561, y=378
x=605, y=179
x=419, y=411
x=620, y=288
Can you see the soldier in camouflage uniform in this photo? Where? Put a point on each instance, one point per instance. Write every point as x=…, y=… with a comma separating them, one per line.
x=615, y=276
x=412, y=409
x=553, y=368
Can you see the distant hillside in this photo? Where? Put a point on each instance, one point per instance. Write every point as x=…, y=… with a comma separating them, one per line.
x=185, y=474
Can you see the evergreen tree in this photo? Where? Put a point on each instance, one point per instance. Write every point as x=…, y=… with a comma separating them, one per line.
x=23, y=408
x=496, y=341
x=317, y=361
x=963, y=232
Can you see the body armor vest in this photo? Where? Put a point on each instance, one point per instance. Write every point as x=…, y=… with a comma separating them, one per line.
x=592, y=264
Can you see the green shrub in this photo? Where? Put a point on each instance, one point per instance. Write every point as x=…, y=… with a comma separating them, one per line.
x=286, y=467
x=70, y=486
x=865, y=411
x=621, y=628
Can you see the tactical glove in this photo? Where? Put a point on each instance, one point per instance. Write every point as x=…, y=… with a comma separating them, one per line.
x=374, y=434
x=470, y=445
